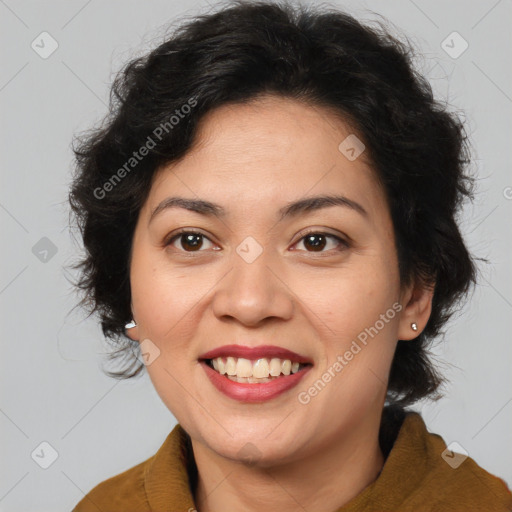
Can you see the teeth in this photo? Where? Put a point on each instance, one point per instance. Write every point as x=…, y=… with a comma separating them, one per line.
x=261, y=370
x=249, y=380
x=230, y=366
x=243, y=368
x=275, y=367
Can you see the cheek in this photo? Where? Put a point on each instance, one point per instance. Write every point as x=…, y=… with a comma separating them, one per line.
x=164, y=297
x=166, y=303
x=354, y=298
x=359, y=320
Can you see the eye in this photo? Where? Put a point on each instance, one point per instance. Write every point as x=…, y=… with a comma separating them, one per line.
x=188, y=239
x=317, y=241
x=192, y=241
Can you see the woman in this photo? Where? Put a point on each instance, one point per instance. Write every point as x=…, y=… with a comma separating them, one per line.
x=269, y=219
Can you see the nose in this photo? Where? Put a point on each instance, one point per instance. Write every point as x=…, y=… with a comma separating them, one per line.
x=253, y=291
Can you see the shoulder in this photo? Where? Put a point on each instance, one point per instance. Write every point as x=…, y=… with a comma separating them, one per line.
x=160, y=480
x=474, y=486
x=119, y=493
x=455, y=479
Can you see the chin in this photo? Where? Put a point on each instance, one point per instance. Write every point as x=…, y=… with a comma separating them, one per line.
x=255, y=448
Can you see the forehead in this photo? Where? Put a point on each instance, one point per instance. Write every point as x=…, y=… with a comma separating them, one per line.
x=269, y=151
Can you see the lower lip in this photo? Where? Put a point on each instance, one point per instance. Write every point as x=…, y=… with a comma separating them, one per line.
x=253, y=393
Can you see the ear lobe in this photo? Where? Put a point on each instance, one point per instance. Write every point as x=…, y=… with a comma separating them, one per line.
x=416, y=311
x=132, y=331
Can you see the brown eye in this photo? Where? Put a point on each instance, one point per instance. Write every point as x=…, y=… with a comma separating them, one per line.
x=317, y=241
x=190, y=241
x=193, y=241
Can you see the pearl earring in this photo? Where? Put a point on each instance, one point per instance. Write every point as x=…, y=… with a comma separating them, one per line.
x=414, y=326
x=130, y=325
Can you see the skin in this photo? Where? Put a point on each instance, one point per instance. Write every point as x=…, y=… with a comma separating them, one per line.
x=253, y=159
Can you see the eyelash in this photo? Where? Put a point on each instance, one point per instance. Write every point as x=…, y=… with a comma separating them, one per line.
x=187, y=231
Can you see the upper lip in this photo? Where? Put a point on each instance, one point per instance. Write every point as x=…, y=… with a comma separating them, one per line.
x=261, y=351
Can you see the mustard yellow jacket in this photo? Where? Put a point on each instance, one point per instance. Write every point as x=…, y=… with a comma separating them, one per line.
x=419, y=475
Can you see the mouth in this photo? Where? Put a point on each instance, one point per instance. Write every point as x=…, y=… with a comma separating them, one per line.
x=254, y=374
x=256, y=371
x=254, y=365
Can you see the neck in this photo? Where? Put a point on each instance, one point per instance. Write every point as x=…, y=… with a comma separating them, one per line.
x=324, y=481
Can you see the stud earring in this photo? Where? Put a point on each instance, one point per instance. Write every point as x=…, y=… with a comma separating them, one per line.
x=414, y=326
x=130, y=325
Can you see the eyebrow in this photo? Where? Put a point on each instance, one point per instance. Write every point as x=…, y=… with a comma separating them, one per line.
x=308, y=204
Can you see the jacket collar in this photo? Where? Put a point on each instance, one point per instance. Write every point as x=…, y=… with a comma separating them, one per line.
x=414, y=471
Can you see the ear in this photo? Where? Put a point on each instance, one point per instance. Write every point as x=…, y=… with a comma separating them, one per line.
x=133, y=333
x=416, y=300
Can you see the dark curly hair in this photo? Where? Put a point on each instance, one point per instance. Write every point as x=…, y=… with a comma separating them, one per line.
x=323, y=58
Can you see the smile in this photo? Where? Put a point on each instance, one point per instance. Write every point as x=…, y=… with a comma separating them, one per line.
x=254, y=374
x=242, y=370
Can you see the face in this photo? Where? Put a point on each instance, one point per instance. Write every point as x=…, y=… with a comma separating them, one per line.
x=320, y=282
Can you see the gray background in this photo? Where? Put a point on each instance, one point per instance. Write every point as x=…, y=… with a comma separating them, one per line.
x=53, y=389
